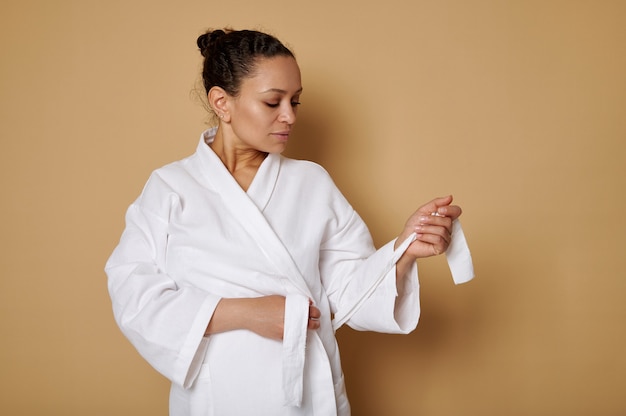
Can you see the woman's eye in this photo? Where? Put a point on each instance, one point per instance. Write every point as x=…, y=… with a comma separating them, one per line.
x=274, y=105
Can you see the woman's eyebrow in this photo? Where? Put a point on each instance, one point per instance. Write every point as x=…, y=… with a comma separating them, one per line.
x=280, y=91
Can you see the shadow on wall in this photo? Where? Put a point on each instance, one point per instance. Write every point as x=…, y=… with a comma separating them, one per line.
x=312, y=131
x=398, y=374
x=461, y=345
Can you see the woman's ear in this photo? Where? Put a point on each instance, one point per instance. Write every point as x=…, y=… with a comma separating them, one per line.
x=218, y=101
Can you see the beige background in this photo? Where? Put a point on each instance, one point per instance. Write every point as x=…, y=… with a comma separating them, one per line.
x=515, y=107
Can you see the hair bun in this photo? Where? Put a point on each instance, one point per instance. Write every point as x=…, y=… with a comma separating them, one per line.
x=208, y=39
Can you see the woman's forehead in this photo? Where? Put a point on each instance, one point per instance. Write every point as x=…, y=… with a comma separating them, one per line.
x=277, y=74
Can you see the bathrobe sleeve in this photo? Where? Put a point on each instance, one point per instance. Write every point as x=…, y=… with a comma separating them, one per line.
x=352, y=269
x=164, y=321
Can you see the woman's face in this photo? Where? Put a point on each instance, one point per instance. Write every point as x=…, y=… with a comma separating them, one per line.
x=264, y=112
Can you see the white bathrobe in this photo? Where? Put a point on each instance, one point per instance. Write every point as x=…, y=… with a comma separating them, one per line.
x=194, y=237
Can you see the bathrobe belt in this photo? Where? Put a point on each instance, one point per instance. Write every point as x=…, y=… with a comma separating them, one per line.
x=297, y=311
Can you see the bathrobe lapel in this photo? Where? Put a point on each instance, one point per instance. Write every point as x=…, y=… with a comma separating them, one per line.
x=247, y=208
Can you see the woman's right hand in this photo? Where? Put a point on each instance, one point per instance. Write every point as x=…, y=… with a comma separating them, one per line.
x=263, y=315
x=267, y=316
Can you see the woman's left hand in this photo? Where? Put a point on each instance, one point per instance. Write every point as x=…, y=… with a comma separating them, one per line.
x=432, y=224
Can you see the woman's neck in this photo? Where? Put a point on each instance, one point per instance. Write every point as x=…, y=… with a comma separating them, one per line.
x=242, y=163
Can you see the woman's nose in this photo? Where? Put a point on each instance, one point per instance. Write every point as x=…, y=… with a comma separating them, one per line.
x=288, y=115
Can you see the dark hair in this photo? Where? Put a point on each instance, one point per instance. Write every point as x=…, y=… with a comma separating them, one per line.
x=230, y=56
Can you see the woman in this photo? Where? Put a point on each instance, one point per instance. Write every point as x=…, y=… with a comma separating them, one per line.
x=237, y=264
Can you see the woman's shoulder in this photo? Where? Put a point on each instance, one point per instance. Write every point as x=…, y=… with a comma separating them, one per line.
x=308, y=177
x=305, y=167
x=175, y=171
x=168, y=179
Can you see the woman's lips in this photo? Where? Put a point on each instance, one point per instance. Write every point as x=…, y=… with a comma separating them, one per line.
x=282, y=135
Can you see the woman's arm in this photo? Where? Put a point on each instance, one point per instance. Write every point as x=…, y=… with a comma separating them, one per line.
x=263, y=315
